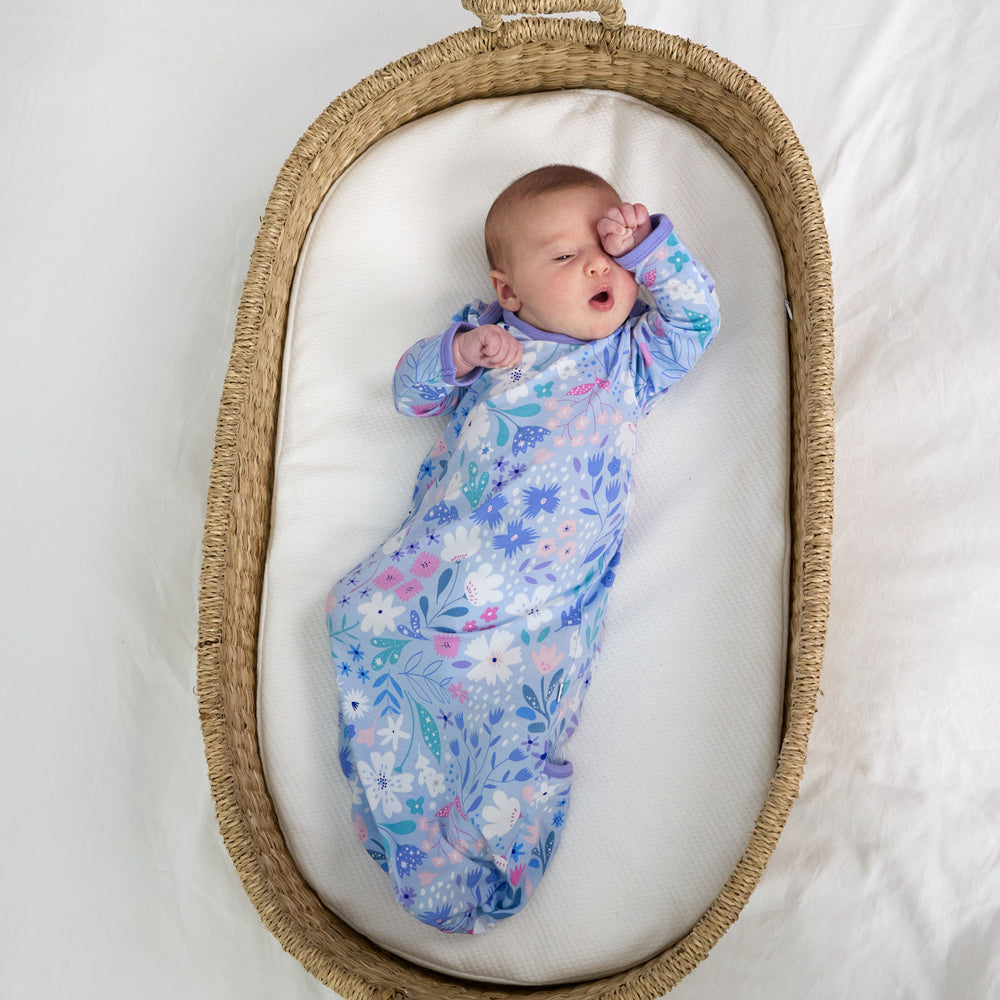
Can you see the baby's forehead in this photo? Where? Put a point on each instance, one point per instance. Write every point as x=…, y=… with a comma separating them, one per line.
x=581, y=194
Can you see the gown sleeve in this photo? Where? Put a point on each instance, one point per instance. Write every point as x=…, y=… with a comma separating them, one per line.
x=667, y=340
x=425, y=383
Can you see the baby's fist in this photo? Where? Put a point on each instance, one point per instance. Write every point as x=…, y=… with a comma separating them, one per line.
x=623, y=228
x=488, y=346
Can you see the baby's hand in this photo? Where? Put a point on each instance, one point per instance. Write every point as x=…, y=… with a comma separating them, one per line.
x=488, y=346
x=623, y=228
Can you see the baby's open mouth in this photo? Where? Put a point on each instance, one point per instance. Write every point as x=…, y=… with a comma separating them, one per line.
x=603, y=300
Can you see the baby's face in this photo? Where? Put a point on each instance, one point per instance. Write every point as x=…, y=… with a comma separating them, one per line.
x=559, y=276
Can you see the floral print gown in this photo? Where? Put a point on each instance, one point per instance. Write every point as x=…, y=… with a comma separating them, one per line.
x=464, y=645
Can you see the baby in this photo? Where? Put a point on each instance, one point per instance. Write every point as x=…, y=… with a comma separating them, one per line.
x=465, y=643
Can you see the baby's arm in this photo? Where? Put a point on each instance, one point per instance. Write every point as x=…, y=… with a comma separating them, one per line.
x=670, y=338
x=488, y=346
x=432, y=375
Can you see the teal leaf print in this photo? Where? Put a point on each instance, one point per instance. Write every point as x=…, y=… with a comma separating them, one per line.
x=475, y=488
x=529, y=410
x=429, y=731
x=700, y=323
x=391, y=651
x=402, y=829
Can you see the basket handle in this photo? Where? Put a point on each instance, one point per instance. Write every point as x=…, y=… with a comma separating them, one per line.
x=491, y=12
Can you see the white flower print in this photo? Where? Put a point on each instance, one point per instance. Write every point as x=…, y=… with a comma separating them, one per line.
x=480, y=587
x=494, y=656
x=625, y=442
x=566, y=367
x=687, y=291
x=356, y=704
x=382, y=783
x=392, y=544
x=477, y=426
x=392, y=732
x=545, y=792
x=380, y=613
x=461, y=543
x=533, y=608
x=454, y=487
x=502, y=815
x=432, y=780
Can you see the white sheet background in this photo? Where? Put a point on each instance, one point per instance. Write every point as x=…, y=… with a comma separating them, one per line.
x=138, y=144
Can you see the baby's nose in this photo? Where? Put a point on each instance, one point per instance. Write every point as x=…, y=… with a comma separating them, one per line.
x=599, y=264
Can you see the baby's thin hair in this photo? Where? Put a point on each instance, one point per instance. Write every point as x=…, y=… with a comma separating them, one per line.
x=544, y=180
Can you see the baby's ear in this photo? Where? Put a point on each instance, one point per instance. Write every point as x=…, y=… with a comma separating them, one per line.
x=505, y=293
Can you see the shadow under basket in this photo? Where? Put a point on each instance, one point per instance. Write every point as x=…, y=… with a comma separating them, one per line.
x=502, y=58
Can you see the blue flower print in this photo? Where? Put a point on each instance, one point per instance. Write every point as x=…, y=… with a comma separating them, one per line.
x=538, y=500
x=408, y=859
x=527, y=437
x=515, y=539
x=490, y=512
x=443, y=513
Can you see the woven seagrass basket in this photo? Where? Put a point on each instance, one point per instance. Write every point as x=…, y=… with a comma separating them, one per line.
x=502, y=58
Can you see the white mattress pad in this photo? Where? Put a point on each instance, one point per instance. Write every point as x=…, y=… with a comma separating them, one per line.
x=680, y=729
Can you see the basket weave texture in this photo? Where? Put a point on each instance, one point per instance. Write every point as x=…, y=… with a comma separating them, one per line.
x=503, y=58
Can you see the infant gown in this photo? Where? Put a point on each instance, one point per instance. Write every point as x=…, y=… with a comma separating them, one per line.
x=464, y=645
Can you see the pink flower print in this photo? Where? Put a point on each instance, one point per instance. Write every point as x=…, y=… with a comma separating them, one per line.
x=576, y=441
x=567, y=529
x=514, y=873
x=547, y=658
x=489, y=615
x=446, y=645
x=581, y=423
x=360, y=829
x=366, y=737
x=389, y=579
x=567, y=551
x=546, y=547
x=425, y=564
x=469, y=626
x=564, y=412
x=409, y=589
x=458, y=692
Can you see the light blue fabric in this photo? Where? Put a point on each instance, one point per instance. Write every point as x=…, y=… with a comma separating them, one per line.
x=464, y=645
